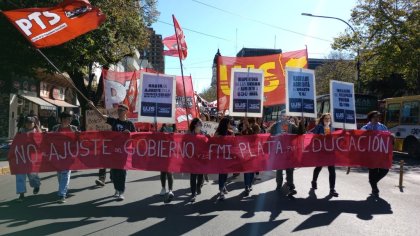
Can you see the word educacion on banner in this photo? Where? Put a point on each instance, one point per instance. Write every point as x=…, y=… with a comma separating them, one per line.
x=189, y=153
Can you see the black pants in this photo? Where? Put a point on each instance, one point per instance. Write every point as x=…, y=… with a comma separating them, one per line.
x=289, y=178
x=375, y=175
x=118, y=178
x=331, y=170
x=163, y=176
x=102, y=175
x=195, y=182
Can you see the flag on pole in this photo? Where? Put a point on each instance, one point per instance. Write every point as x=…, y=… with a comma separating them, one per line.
x=171, y=42
x=46, y=27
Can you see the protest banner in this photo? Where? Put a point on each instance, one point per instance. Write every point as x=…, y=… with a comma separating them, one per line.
x=157, y=98
x=300, y=92
x=247, y=92
x=274, y=74
x=96, y=123
x=209, y=127
x=185, y=106
x=343, y=106
x=187, y=153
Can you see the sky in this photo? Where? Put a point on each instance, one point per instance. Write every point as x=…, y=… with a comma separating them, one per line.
x=230, y=25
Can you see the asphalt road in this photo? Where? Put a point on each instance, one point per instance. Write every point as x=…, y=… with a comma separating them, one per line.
x=91, y=210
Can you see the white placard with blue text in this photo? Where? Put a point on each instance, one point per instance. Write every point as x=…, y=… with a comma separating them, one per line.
x=157, y=98
x=300, y=92
x=343, y=107
x=247, y=86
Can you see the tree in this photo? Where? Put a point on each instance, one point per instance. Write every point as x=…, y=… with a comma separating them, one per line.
x=210, y=94
x=339, y=66
x=123, y=31
x=389, y=39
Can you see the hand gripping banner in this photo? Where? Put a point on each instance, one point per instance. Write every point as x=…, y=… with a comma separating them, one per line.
x=186, y=153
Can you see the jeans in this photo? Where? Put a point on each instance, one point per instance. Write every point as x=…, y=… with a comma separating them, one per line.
x=163, y=176
x=222, y=181
x=331, y=170
x=63, y=182
x=34, y=182
x=248, y=178
x=195, y=182
x=375, y=175
x=289, y=178
x=102, y=175
x=118, y=178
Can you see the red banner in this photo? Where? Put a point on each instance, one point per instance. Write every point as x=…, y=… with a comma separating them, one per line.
x=119, y=88
x=43, y=152
x=46, y=27
x=274, y=74
x=181, y=112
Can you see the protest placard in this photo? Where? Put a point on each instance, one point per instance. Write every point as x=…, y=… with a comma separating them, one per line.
x=209, y=127
x=300, y=92
x=95, y=122
x=157, y=98
x=247, y=92
x=342, y=105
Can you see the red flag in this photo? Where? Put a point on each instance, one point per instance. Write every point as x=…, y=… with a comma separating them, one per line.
x=181, y=112
x=46, y=27
x=131, y=97
x=172, y=42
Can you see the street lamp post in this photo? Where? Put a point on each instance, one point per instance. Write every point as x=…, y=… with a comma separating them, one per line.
x=358, y=45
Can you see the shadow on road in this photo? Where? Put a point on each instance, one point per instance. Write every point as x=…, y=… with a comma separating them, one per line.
x=180, y=217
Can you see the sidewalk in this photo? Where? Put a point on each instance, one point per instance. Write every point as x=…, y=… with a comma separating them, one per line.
x=4, y=168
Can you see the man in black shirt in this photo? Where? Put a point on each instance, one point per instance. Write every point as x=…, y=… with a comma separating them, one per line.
x=118, y=176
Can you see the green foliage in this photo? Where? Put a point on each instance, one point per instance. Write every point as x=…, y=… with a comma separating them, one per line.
x=123, y=31
x=339, y=67
x=210, y=94
x=389, y=39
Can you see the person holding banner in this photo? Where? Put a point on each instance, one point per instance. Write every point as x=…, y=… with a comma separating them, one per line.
x=249, y=127
x=324, y=127
x=121, y=124
x=166, y=175
x=196, y=180
x=34, y=181
x=223, y=130
x=64, y=176
x=375, y=174
x=283, y=126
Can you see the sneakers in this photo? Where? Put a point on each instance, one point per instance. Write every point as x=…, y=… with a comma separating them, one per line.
x=116, y=194
x=162, y=192
x=192, y=198
x=314, y=185
x=36, y=190
x=120, y=197
x=222, y=196
x=225, y=190
x=292, y=192
x=100, y=182
x=333, y=193
x=62, y=199
x=21, y=197
x=247, y=191
x=170, y=195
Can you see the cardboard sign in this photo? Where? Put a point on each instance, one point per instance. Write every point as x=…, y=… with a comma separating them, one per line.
x=95, y=122
x=300, y=92
x=247, y=92
x=157, y=98
x=343, y=106
x=209, y=127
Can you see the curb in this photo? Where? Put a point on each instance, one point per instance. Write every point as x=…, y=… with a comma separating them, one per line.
x=4, y=170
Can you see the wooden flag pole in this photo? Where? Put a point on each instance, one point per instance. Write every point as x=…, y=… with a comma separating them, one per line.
x=182, y=72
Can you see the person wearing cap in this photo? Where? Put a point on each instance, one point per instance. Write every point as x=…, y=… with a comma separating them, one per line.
x=284, y=126
x=34, y=181
x=120, y=124
x=64, y=175
x=375, y=174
